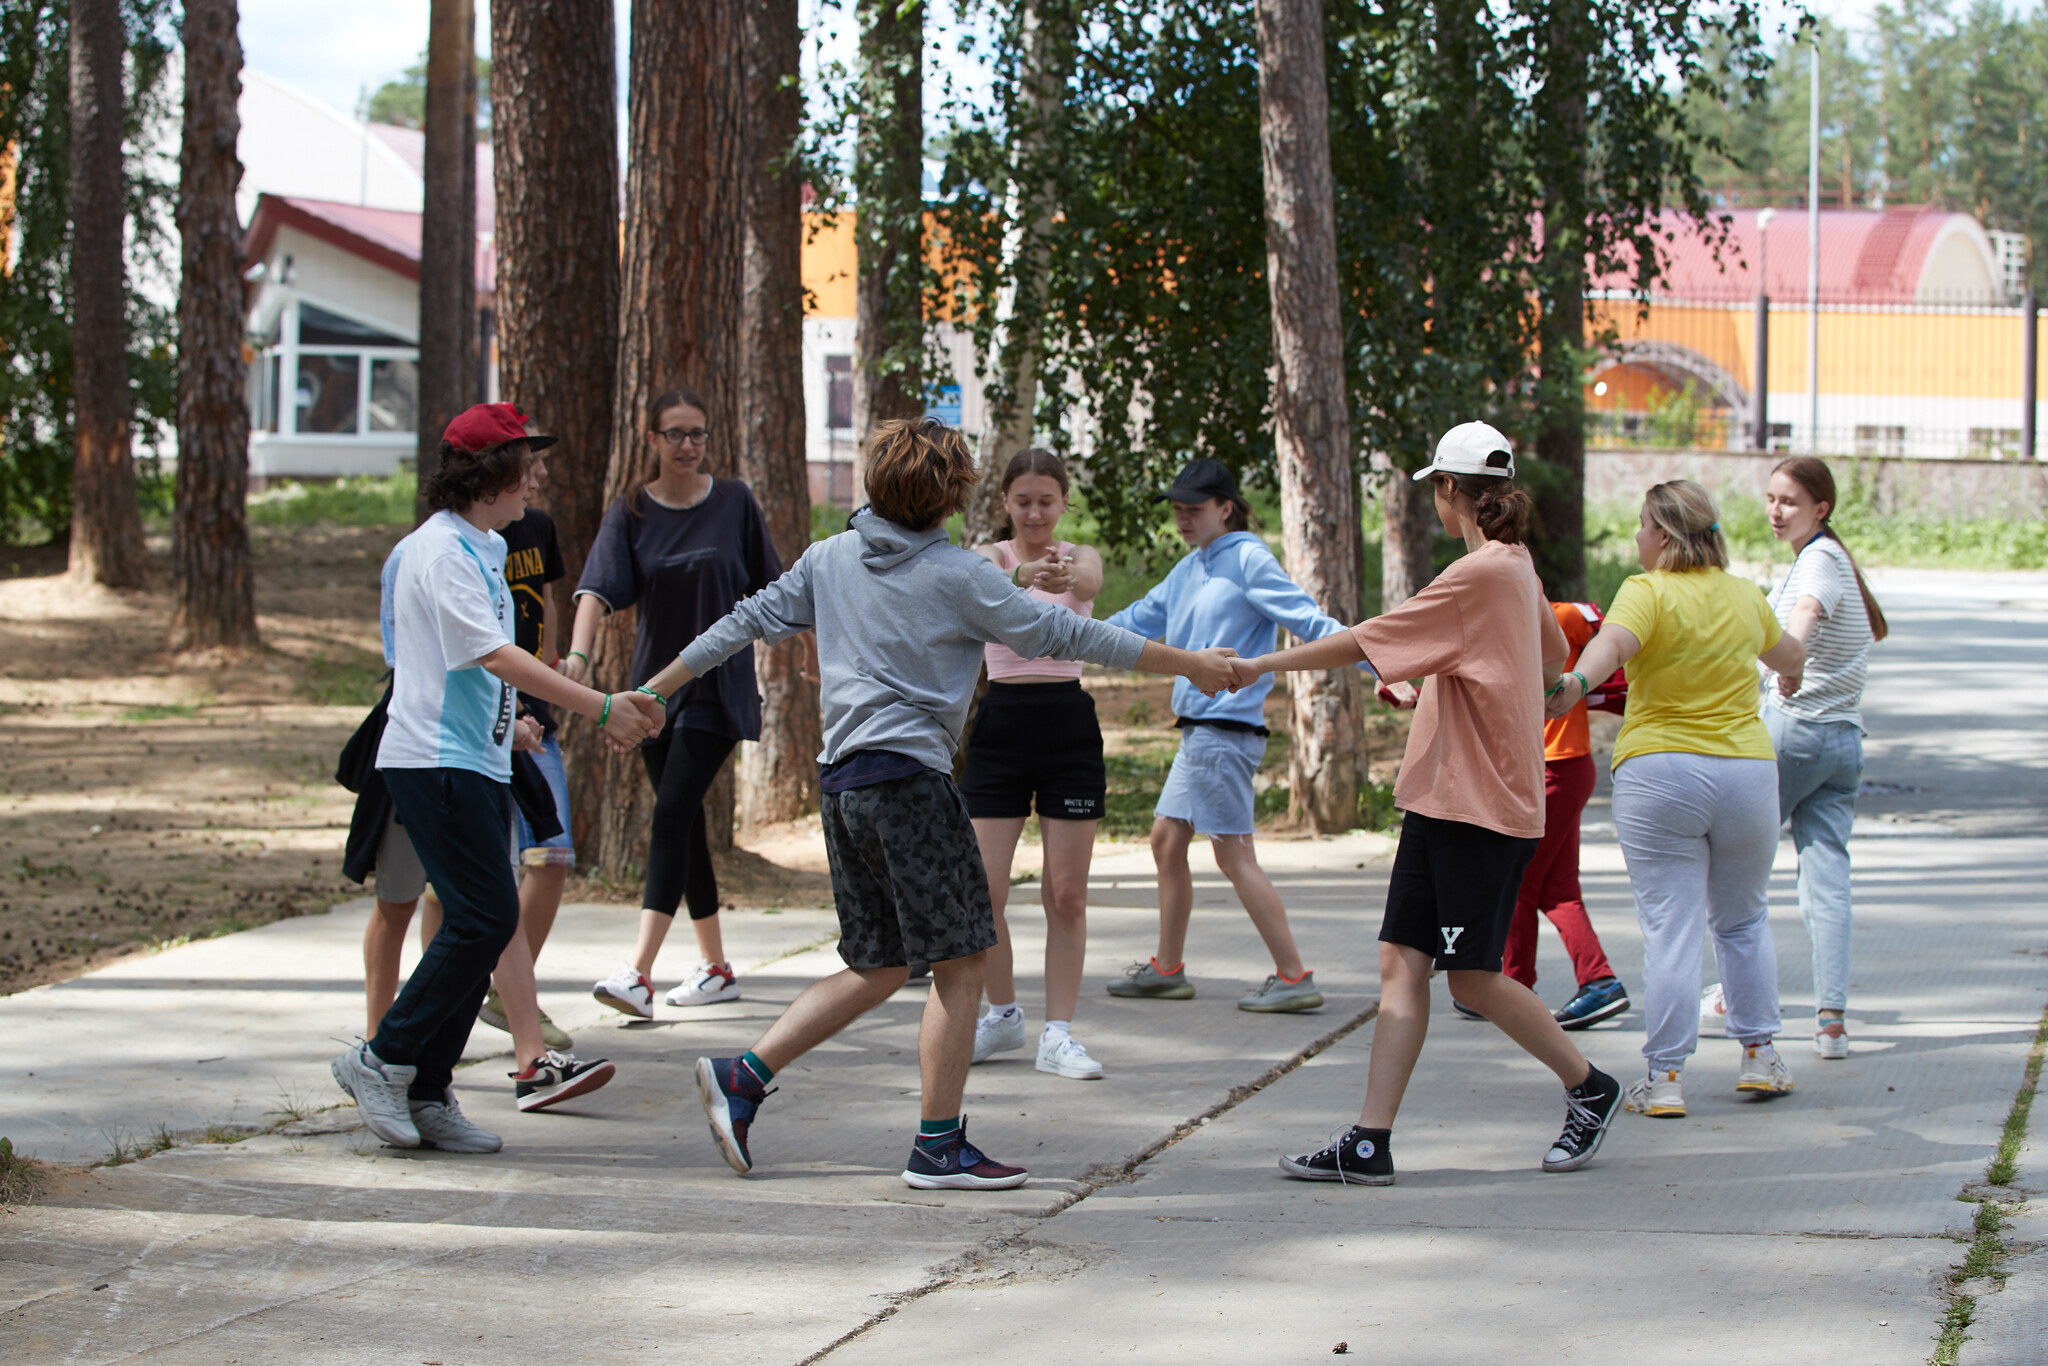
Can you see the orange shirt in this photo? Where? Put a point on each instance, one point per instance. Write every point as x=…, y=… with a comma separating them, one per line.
x=1481, y=634
x=1569, y=737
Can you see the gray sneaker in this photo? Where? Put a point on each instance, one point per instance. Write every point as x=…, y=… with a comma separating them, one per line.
x=1278, y=997
x=1145, y=979
x=378, y=1089
x=443, y=1125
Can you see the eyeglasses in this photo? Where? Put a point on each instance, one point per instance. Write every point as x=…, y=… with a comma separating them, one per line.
x=676, y=436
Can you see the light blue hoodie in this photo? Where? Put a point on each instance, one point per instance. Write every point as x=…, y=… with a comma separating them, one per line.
x=1232, y=592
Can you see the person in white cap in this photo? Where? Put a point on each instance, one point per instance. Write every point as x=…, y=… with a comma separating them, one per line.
x=1484, y=640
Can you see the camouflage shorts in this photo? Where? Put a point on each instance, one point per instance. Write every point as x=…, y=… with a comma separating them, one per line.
x=906, y=873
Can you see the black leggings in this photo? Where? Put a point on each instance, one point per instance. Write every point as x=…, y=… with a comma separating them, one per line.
x=682, y=764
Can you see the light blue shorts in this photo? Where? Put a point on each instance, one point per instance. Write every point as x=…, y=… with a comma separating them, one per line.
x=1210, y=783
x=558, y=851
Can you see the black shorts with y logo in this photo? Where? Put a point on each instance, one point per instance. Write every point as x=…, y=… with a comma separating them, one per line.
x=1452, y=893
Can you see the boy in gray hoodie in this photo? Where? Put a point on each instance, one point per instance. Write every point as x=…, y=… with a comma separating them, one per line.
x=902, y=615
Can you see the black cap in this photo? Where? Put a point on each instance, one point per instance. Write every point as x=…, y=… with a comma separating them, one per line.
x=1201, y=480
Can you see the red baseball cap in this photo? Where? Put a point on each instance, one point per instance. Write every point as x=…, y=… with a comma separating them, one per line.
x=492, y=424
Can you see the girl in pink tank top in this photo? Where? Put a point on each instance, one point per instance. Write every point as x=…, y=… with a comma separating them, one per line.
x=1035, y=740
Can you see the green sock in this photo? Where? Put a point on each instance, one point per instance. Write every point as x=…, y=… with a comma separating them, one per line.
x=938, y=1128
x=757, y=1067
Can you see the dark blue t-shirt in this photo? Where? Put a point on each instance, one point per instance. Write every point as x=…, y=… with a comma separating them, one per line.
x=684, y=568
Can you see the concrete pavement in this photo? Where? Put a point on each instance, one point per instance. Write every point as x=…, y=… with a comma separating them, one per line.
x=1820, y=1226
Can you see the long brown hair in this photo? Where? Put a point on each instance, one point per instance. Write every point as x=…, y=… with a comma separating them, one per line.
x=1031, y=460
x=1811, y=473
x=677, y=397
x=1501, y=509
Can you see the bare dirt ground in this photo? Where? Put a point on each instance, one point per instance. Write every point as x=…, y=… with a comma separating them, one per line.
x=148, y=797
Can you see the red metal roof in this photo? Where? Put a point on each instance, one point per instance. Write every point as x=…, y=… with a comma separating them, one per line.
x=387, y=237
x=1866, y=256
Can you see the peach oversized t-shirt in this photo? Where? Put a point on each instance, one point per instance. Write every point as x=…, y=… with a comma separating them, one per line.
x=1482, y=634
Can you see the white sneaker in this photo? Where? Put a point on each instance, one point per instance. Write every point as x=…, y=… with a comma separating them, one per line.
x=1063, y=1056
x=627, y=991
x=443, y=1125
x=1660, y=1095
x=707, y=986
x=1714, y=1011
x=378, y=1089
x=1831, y=1039
x=997, y=1033
x=1763, y=1070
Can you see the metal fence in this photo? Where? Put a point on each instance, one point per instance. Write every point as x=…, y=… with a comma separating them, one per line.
x=1927, y=379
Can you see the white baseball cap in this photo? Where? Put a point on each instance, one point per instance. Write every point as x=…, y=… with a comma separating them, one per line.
x=1471, y=448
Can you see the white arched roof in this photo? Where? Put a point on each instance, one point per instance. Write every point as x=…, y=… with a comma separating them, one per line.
x=293, y=144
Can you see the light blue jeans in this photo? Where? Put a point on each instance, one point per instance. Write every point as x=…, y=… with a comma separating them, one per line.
x=1820, y=767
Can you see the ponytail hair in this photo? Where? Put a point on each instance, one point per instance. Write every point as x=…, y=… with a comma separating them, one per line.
x=1031, y=460
x=1501, y=509
x=1811, y=473
x=1685, y=512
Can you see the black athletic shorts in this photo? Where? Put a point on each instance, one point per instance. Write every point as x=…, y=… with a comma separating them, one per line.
x=1035, y=740
x=907, y=876
x=1452, y=893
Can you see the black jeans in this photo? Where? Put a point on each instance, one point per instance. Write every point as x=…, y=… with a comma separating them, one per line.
x=460, y=826
x=682, y=763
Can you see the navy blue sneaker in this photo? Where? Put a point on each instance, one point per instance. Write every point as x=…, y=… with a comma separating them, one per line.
x=1467, y=1011
x=731, y=1100
x=952, y=1163
x=1596, y=1001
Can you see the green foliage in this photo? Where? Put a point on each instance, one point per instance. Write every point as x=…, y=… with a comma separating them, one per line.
x=344, y=502
x=1674, y=418
x=35, y=296
x=403, y=102
x=347, y=678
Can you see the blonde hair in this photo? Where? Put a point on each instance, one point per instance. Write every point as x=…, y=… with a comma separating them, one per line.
x=1685, y=512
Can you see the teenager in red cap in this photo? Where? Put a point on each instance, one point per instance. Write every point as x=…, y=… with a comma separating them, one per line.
x=446, y=758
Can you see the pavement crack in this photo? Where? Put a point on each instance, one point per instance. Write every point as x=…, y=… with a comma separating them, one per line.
x=952, y=1271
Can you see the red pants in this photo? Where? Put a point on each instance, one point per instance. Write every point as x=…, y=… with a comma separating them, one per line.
x=1552, y=883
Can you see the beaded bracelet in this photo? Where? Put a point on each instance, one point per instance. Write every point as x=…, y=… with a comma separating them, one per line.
x=652, y=693
x=606, y=715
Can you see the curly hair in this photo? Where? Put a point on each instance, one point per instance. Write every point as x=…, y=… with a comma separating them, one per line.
x=466, y=477
x=920, y=472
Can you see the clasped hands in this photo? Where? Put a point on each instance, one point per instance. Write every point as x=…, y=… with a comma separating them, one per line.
x=1052, y=574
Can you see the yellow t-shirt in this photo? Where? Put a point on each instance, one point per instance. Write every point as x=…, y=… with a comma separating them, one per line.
x=1692, y=687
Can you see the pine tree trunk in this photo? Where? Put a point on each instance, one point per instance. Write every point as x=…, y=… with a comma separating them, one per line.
x=1311, y=416
x=555, y=136
x=216, y=602
x=448, y=230
x=1408, y=525
x=1015, y=348
x=778, y=776
x=106, y=524
x=888, y=178
x=1559, y=539
x=679, y=309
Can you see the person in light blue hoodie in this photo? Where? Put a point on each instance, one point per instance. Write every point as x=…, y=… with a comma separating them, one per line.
x=1228, y=591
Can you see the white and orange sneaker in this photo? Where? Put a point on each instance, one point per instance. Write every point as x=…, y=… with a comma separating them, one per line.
x=1660, y=1095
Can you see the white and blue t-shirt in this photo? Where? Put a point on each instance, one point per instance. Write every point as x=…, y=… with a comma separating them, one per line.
x=445, y=606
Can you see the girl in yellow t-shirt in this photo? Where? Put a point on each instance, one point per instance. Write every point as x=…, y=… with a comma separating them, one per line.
x=1695, y=786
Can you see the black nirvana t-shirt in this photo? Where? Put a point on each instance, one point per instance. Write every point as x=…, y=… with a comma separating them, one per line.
x=533, y=560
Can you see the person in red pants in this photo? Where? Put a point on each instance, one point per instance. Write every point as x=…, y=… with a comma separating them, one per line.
x=1551, y=884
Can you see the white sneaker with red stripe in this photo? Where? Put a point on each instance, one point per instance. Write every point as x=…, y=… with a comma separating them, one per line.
x=627, y=991
x=707, y=986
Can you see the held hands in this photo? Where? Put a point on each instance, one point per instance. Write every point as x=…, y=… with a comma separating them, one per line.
x=635, y=716
x=1245, y=672
x=573, y=667
x=526, y=734
x=1399, y=693
x=1788, y=684
x=1053, y=574
x=1213, y=670
x=1568, y=695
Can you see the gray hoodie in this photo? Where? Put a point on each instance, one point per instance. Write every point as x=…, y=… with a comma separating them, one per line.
x=901, y=618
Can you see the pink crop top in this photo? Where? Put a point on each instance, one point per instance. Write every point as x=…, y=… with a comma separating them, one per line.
x=1002, y=660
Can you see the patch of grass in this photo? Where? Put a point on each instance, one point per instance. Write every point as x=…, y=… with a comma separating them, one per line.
x=122, y=1150
x=224, y=1134
x=1987, y=1250
x=293, y=1105
x=353, y=679
x=31, y=869
x=344, y=502
x=175, y=711
x=22, y=1179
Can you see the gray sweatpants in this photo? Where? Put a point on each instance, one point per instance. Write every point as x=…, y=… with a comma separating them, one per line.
x=1699, y=832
